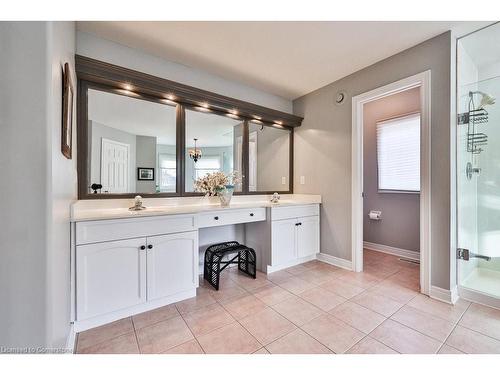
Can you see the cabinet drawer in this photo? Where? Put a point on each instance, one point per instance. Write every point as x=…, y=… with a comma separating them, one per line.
x=108, y=230
x=227, y=217
x=289, y=212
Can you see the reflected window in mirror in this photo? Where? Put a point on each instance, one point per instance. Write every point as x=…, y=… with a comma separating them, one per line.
x=268, y=158
x=131, y=144
x=214, y=143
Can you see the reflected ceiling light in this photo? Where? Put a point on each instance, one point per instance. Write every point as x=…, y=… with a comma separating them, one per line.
x=256, y=121
x=257, y=117
x=128, y=87
x=278, y=122
x=170, y=97
x=234, y=111
x=205, y=105
x=195, y=153
x=232, y=115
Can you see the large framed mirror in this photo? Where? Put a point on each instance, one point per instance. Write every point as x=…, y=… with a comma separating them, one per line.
x=269, y=158
x=140, y=134
x=214, y=143
x=132, y=145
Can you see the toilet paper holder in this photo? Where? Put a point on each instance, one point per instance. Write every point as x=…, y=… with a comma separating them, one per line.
x=375, y=215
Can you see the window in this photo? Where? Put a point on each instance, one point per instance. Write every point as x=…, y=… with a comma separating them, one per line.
x=398, y=154
x=167, y=176
x=207, y=164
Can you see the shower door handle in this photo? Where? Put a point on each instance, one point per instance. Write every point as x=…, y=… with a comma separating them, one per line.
x=465, y=254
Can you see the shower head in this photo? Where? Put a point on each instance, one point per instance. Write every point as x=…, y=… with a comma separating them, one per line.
x=486, y=99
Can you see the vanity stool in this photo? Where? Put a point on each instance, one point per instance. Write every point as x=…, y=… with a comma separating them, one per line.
x=244, y=258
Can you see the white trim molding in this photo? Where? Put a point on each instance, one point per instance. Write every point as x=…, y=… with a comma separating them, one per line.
x=71, y=339
x=334, y=261
x=423, y=81
x=408, y=254
x=444, y=295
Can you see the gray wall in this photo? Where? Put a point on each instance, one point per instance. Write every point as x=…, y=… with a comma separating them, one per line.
x=114, y=53
x=38, y=185
x=400, y=224
x=323, y=147
x=100, y=131
x=145, y=158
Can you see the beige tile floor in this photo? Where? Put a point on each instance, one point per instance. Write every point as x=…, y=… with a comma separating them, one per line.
x=310, y=308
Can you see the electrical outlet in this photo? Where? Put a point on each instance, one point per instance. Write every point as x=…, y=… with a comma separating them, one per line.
x=283, y=180
x=302, y=180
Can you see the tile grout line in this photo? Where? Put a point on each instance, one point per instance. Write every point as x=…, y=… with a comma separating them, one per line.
x=135, y=334
x=187, y=325
x=454, y=327
x=241, y=325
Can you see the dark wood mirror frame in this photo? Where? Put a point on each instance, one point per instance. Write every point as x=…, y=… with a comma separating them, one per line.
x=94, y=74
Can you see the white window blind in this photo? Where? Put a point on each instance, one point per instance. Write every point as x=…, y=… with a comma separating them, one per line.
x=398, y=154
x=168, y=172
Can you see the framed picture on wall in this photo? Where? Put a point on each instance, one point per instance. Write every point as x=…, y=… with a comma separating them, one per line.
x=145, y=174
x=67, y=117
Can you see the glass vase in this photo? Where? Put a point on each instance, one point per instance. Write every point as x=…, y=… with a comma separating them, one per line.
x=225, y=195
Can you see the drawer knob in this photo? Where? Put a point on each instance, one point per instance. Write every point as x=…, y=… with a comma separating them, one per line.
x=150, y=246
x=216, y=218
x=251, y=214
x=142, y=247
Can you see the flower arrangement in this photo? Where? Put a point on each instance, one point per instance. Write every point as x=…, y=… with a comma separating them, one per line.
x=214, y=183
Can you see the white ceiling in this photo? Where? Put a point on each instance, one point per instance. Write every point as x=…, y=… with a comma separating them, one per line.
x=141, y=117
x=288, y=59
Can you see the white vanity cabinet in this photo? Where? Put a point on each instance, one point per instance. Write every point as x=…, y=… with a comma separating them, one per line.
x=294, y=235
x=127, y=265
x=172, y=264
x=110, y=276
x=116, y=278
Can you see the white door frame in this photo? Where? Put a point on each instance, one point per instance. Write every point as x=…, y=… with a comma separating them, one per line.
x=422, y=80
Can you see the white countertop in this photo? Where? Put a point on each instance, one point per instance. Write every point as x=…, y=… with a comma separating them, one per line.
x=103, y=209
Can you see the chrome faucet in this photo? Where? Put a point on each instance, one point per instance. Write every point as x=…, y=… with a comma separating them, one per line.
x=137, y=204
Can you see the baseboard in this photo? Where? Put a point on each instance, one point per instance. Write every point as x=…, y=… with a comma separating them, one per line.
x=271, y=269
x=454, y=295
x=477, y=297
x=82, y=325
x=444, y=295
x=409, y=254
x=71, y=340
x=334, y=261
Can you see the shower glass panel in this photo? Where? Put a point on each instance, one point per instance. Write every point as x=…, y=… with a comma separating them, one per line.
x=478, y=164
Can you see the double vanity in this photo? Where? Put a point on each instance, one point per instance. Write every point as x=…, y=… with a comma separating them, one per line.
x=127, y=262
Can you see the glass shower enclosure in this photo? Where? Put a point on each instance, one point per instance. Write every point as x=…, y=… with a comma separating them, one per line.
x=478, y=166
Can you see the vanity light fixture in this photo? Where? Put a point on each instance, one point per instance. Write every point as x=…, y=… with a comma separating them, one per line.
x=202, y=109
x=167, y=101
x=195, y=153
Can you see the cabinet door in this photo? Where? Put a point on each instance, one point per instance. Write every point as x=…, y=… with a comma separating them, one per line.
x=284, y=247
x=308, y=236
x=110, y=276
x=172, y=264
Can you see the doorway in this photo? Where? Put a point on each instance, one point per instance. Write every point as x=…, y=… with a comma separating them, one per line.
x=422, y=83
